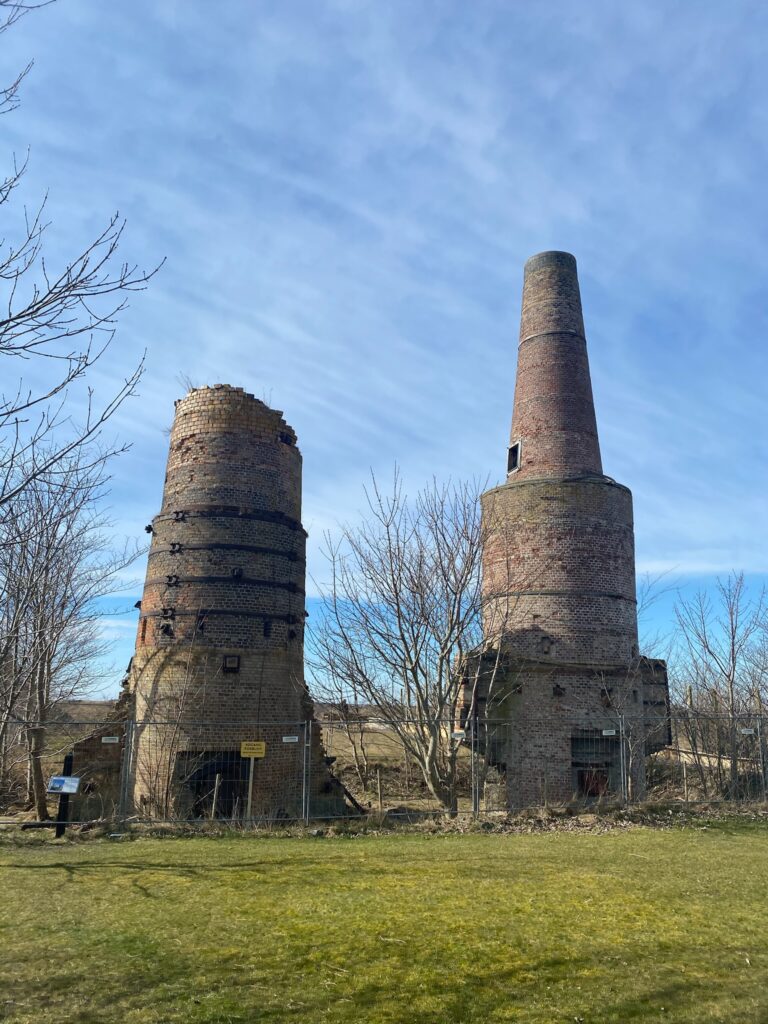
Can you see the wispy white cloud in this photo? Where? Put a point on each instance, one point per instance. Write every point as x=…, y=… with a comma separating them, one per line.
x=346, y=192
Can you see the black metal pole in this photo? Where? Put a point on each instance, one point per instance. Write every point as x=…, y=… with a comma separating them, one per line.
x=61, y=817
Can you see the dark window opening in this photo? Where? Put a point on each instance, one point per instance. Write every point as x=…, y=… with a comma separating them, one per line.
x=231, y=663
x=513, y=457
x=237, y=572
x=285, y=438
x=205, y=776
x=166, y=629
x=143, y=630
x=595, y=766
x=267, y=628
x=202, y=617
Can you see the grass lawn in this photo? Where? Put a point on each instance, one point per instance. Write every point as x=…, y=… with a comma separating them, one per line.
x=634, y=925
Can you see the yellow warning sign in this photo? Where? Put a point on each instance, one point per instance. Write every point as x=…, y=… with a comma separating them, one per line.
x=253, y=748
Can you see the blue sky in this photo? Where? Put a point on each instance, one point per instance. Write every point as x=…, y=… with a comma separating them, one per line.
x=346, y=193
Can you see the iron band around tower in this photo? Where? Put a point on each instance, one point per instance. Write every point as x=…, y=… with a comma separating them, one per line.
x=552, y=334
x=230, y=580
x=256, y=549
x=228, y=512
x=571, y=593
x=234, y=612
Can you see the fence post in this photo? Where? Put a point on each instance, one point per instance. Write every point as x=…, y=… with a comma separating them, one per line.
x=623, y=761
x=474, y=748
x=127, y=769
x=471, y=766
x=303, y=733
x=308, y=771
x=762, y=755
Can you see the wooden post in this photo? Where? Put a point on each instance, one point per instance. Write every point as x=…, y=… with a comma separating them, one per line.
x=250, y=788
x=216, y=785
x=61, y=817
x=378, y=787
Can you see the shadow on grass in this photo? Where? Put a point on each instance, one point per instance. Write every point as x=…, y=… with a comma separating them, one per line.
x=97, y=867
x=159, y=983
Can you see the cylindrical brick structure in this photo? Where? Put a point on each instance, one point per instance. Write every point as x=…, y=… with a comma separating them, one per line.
x=559, y=557
x=219, y=651
x=559, y=566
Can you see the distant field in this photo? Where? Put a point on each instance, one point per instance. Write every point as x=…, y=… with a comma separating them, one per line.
x=634, y=925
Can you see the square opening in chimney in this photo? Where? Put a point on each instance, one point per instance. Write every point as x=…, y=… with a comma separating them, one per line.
x=513, y=457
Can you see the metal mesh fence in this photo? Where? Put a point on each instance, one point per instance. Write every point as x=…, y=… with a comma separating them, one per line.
x=355, y=764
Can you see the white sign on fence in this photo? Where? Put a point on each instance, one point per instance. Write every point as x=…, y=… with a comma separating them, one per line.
x=609, y=732
x=290, y=739
x=747, y=732
x=110, y=739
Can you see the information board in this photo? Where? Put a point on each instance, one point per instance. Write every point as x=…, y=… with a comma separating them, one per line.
x=64, y=784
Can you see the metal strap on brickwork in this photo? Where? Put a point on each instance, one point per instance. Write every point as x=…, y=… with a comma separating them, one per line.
x=229, y=512
x=571, y=593
x=292, y=588
x=549, y=334
x=256, y=549
x=207, y=612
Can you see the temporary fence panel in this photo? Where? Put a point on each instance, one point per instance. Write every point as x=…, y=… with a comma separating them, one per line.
x=356, y=763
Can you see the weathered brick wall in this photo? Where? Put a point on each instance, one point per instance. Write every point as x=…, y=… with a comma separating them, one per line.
x=98, y=765
x=225, y=580
x=547, y=705
x=558, y=564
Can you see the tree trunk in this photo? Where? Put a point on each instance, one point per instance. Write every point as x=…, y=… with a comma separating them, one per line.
x=37, y=778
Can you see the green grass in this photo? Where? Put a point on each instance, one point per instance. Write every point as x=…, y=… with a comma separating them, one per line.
x=636, y=925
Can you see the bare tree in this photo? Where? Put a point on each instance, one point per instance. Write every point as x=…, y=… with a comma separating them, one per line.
x=56, y=568
x=61, y=317
x=401, y=615
x=723, y=669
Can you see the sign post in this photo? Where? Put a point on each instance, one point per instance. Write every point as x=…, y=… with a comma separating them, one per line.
x=63, y=785
x=252, y=749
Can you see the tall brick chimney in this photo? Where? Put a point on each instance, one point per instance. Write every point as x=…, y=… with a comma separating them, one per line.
x=559, y=565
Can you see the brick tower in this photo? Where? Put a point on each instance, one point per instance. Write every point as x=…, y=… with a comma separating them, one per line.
x=581, y=707
x=219, y=650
